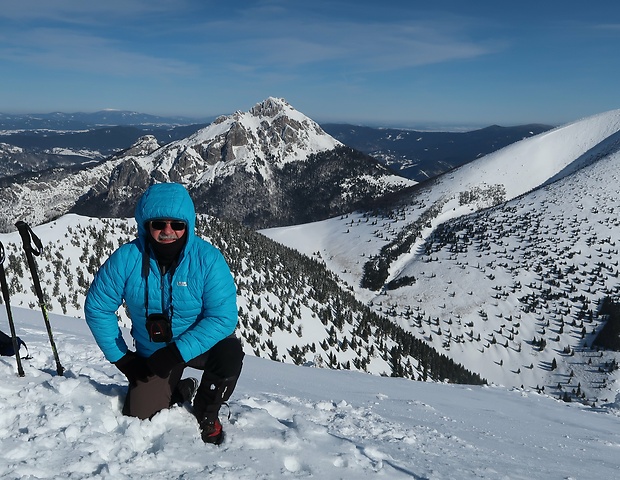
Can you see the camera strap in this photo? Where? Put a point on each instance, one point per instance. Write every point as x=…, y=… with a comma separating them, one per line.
x=146, y=268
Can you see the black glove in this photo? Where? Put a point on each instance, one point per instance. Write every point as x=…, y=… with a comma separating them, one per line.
x=134, y=367
x=164, y=360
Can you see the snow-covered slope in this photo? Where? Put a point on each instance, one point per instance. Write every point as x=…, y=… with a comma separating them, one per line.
x=291, y=308
x=494, y=178
x=532, y=162
x=287, y=422
x=485, y=288
x=47, y=195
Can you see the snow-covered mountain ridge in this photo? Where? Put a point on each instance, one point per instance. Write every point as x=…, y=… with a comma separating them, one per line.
x=250, y=167
x=417, y=155
x=532, y=162
x=485, y=284
x=271, y=132
x=423, y=154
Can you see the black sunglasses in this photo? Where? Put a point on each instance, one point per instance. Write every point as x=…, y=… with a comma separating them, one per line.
x=176, y=225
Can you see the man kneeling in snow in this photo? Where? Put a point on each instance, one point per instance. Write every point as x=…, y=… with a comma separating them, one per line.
x=181, y=299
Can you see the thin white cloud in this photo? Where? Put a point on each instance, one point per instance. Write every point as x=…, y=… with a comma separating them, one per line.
x=270, y=37
x=363, y=47
x=84, y=11
x=60, y=49
x=90, y=37
x=614, y=27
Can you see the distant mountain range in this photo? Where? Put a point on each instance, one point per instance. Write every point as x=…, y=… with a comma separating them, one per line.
x=36, y=150
x=86, y=121
x=59, y=139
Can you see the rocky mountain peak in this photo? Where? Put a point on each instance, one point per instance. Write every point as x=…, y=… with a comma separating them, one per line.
x=271, y=107
x=145, y=145
x=271, y=133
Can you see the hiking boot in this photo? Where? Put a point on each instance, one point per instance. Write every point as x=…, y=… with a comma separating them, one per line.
x=185, y=390
x=211, y=431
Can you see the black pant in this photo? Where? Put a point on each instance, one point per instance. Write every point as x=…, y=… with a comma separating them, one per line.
x=222, y=363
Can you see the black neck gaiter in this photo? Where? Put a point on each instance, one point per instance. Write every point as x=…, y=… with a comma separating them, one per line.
x=167, y=254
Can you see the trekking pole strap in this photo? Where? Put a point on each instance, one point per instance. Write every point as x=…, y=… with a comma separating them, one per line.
x=27, y=235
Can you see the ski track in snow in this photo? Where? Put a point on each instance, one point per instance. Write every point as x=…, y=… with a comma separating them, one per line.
x=286, y=422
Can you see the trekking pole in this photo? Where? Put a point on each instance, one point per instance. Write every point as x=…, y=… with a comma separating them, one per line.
x=9, y=314
x=27, y=235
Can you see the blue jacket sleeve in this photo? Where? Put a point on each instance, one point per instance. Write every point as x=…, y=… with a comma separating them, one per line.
x=219, y=303
x=104, y=297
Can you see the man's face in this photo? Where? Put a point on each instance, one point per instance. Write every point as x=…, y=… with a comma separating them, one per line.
x=167, y=230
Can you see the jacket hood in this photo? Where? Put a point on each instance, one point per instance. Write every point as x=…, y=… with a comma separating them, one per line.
x=165, y=201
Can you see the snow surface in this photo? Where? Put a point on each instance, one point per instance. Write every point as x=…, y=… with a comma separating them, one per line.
x=94, y=154
x=528, y=164
x=286, y=422
x=571, y=222
x=301, y=422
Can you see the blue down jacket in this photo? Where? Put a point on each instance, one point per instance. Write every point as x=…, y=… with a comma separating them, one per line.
x=200, y=293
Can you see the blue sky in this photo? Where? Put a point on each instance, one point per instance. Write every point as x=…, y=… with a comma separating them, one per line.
x=405, y=63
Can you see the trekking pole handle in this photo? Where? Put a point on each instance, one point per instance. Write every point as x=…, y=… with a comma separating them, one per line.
x=28, y=236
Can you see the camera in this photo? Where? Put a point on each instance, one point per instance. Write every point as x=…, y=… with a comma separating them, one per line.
x=159, y=327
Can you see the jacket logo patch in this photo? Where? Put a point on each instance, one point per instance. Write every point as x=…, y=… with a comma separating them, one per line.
x=181, y=284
